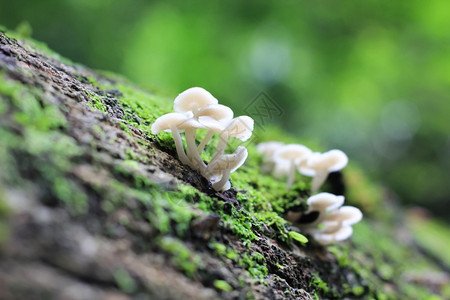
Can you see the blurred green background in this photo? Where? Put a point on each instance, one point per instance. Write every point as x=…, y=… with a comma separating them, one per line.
x=369, y=77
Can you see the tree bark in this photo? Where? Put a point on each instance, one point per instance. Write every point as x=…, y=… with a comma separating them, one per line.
x=92, y=206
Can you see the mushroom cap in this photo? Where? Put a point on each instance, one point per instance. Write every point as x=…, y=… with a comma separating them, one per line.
x=181, y=121
x=303, y=167
x=328, y=238
x=324, y=202
x=240, y=128
x=215, y=117
x=342, y=217
x=291, y=152
x=212, y=124
x=345, y=215
x=218, y=112
x=331, y=161
x=193, y=98
x=229, y=161
x=267, y=149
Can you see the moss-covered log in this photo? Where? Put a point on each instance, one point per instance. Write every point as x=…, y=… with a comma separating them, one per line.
x=93, y=206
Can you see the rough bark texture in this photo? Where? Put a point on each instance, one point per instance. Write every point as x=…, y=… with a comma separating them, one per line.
x=93, y=206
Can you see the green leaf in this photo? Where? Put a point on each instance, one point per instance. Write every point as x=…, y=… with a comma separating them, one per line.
x=298, y=237
x=222, y=285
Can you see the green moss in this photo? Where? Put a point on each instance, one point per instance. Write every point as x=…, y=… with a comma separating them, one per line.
x=222, y=285
x=124, y=281
x=93, y=81
x=358, y=291
x=97, y=129
x=96, y=102
x=70, y=194
x=319, y=284
x=141, y=108
x=43, y=138
x=255, y=264
x=219, y=249
x=433, y=235
x=341, y=254
x=182, y=257
x=4, y=215
x=125, y=128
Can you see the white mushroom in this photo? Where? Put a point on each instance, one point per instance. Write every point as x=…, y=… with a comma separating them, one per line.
x=219, y=171
x=281, y=170
x=195, y=109
x=215, y=117
x=328, y=238
x=319, y=165
x=331, y=221
x=217, y=112
x=175, y=122
x=240, y=128
x=193, y=99
x=267, y=149
x=323, y=203
x=345, y=216
x=201, y=106
x=288, y=157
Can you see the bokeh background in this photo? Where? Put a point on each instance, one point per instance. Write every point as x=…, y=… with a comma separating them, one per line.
x=369, y=77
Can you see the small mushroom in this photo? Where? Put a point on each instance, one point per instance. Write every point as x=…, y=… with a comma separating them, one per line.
x=240, y=128
x=319, y=165
x=224, y=166
x=200, y=105
x=345, y=216
x=175, y=122
x=215, y=117
x=202, y=111
x=323, y=203
x=267, y=149
x=196, y=109
x=340, y=235
x=288, y=157
x=332, y=221
x=193, y=99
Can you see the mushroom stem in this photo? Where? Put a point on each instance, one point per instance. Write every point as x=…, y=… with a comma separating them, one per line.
x=205, y=141
x=221, y=183
x=192, y=149
x=291, y=175
x=223, y=140
x=194, y=109
x=179, y=146
x=317, y=181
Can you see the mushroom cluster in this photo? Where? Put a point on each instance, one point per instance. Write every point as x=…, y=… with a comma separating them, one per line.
x=325, y=219
x=197, y=109
x=283, y=161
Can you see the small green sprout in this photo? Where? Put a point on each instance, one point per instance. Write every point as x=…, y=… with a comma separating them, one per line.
x=298, y=237
x=222, y=285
